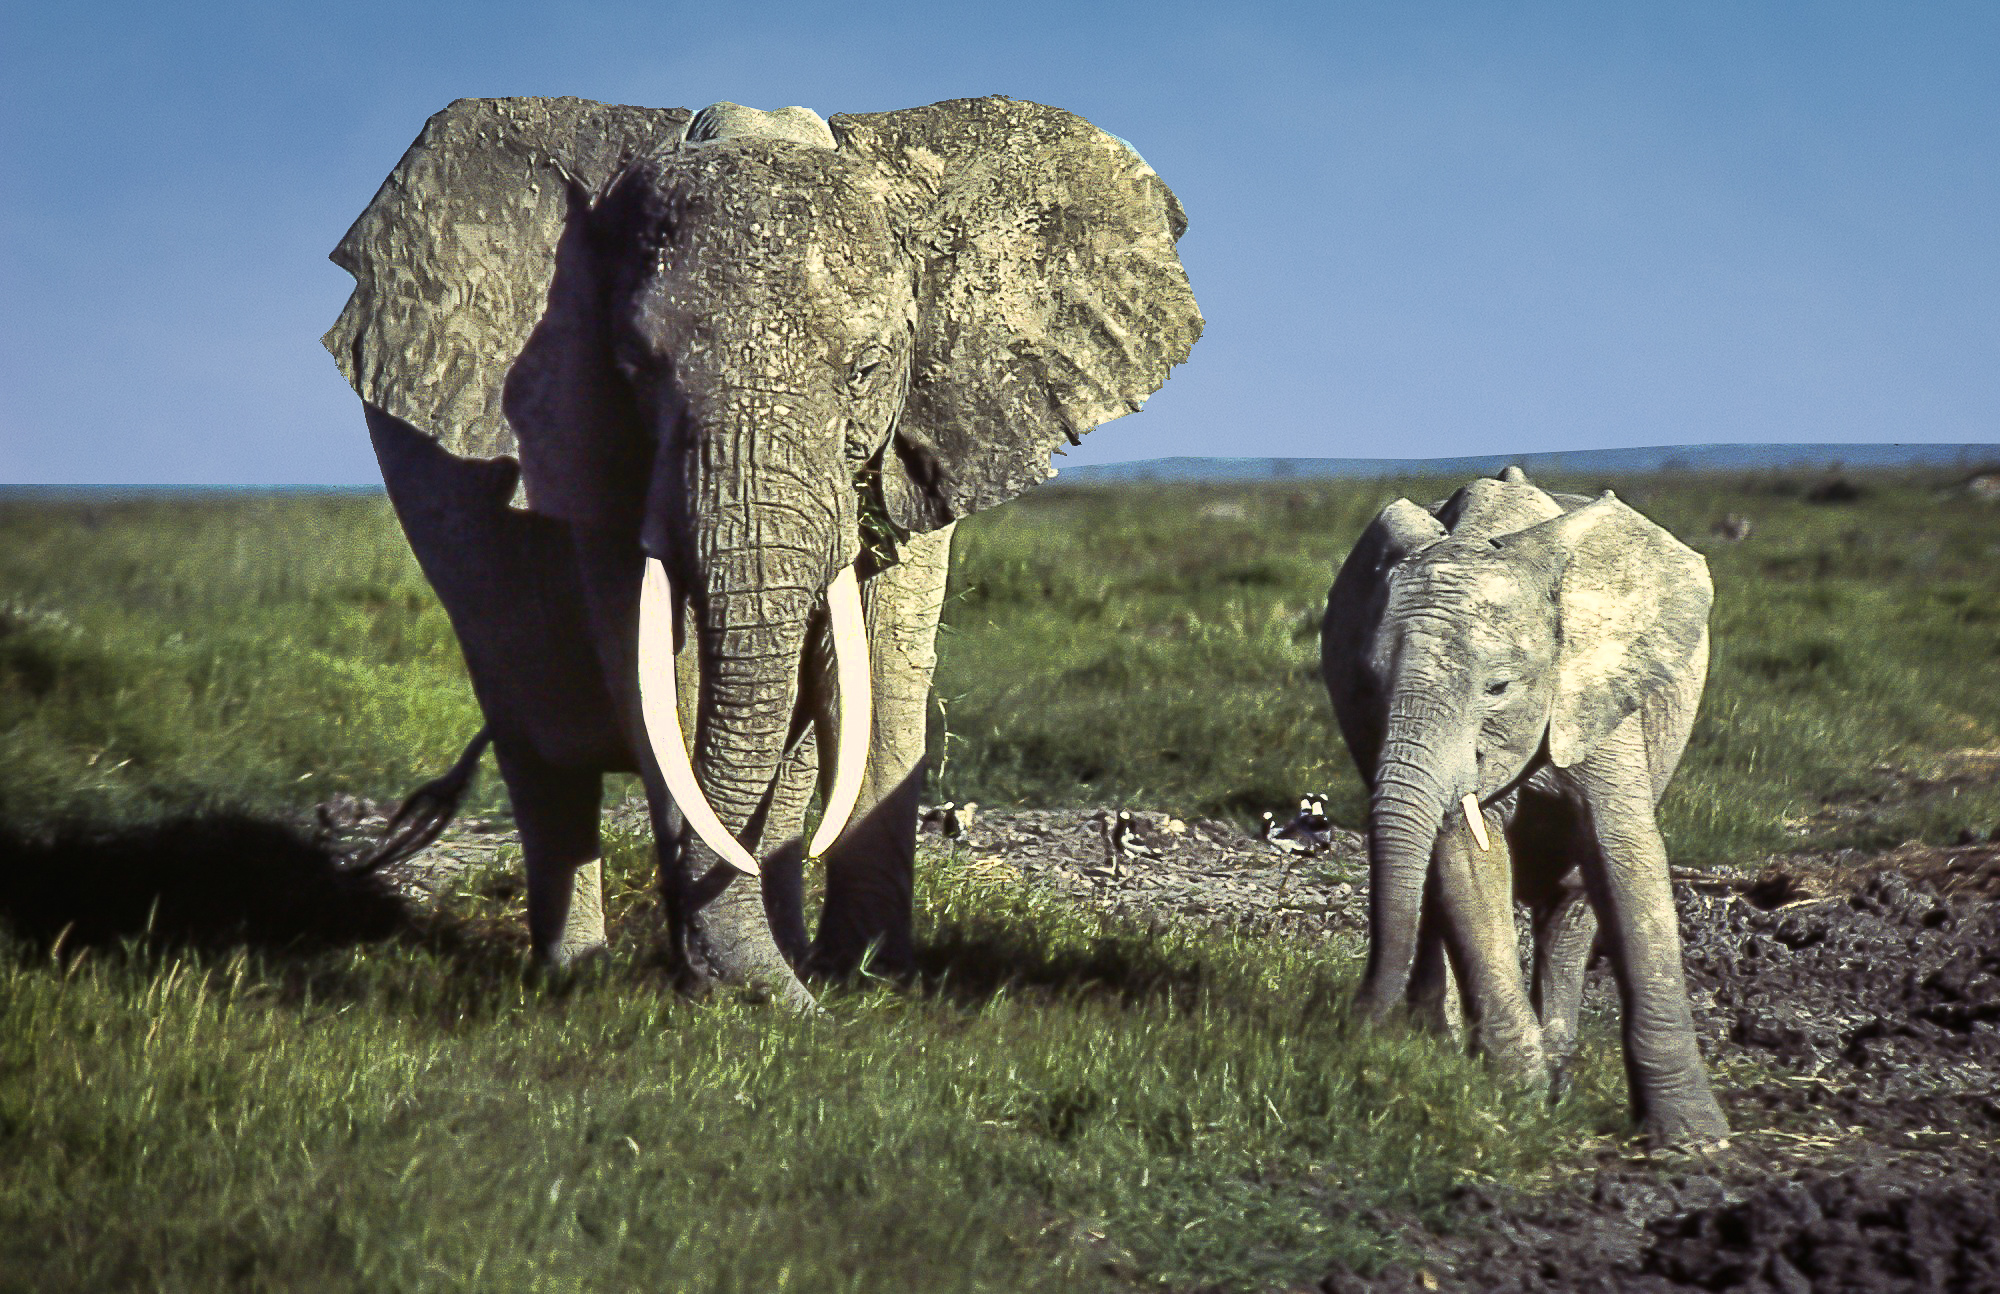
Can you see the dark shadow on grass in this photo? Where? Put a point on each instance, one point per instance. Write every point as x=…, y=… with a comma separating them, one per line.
x=211, y=881
x=972, y=963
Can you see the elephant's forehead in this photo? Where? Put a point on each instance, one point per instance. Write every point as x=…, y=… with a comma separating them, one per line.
x=776, y=190
x=785, y=225
x=1472, y=584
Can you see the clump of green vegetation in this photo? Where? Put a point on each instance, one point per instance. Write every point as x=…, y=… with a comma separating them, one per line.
x=166, y=656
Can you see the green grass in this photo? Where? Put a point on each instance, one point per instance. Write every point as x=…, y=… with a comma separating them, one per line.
x=340, y=1096
x=1161, y=647
x=163, y=656
x=1067, y=1104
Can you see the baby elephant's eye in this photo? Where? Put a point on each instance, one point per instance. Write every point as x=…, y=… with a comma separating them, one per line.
x=1496, y=688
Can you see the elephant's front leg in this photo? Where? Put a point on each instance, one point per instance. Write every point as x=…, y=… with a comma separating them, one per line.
x=871, y=871
x=1433, y=996
x=1475, y=889
x=1633, y=894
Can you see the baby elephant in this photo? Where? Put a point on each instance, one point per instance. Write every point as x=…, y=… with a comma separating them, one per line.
x=1516, y=673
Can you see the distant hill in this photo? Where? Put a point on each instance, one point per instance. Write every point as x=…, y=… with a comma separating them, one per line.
x=1645, y=458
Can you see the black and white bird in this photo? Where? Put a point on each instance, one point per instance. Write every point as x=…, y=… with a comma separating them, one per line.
x=950, y=820
x=1309, y=832
x=1276, y=836
x=1126, y=839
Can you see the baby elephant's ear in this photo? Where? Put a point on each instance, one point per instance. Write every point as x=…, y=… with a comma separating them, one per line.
x=1632, y=603
x=1050, y=297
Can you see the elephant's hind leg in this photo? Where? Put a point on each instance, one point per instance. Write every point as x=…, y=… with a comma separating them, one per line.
x=1552, y=843
x=1565, y=931
x=556, y=810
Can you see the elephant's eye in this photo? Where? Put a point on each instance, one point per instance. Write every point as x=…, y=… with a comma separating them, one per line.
x=1497, y=687
x=866, y=365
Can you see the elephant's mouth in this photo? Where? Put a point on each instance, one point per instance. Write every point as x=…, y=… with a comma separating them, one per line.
x=660, y=706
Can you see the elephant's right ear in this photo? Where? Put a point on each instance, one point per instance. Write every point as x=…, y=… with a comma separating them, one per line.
x=475, y=313
x=1050, y=297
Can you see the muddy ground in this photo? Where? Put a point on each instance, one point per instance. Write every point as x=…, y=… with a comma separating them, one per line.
x=1864, y=990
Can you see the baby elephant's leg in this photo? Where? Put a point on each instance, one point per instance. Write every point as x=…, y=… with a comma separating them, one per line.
x=1565, y=932
x=1476, y=886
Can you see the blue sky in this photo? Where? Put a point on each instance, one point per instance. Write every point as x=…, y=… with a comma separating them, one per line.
x=1416, y=230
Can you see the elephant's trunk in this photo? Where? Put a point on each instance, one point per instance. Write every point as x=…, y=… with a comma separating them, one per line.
x=751, y=642
x=1413, y=790
x=765, y=532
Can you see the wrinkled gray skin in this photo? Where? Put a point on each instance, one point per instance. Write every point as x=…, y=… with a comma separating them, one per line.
x=1545, y=653
x=761, y=348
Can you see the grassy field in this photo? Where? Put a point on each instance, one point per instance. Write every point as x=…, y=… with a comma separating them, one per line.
x=1161, y=647
x=344, y=1094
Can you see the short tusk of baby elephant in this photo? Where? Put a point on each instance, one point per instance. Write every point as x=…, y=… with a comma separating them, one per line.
x=1476, y=820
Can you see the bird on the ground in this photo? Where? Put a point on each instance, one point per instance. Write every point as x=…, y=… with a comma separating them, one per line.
x=1125, y=837
x=950, y=819
x=1309, y=832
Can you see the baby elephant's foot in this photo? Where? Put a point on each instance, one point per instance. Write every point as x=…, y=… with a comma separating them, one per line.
x=1697, y=1129
x=1515, y=1053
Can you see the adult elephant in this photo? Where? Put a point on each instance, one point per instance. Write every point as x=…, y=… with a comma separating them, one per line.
x=1516, y=674
x=658, y=393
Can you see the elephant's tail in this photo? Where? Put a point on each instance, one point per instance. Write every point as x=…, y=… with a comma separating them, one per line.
x=428, y=810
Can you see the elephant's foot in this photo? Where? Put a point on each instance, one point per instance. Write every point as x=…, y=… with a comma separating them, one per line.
x=1379, y=1005
x=729, y=942
x=1560, y=1044
x=1693, y=1126
x=1516, y=1054
x=1435, y=1007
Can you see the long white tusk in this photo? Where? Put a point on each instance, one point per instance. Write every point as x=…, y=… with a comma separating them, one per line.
x=1475, y=819
x=661, y=708
x=850, y=667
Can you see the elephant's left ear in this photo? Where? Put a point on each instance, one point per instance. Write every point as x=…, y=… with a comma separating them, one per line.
x=1633, y=610
x=1050, y=297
